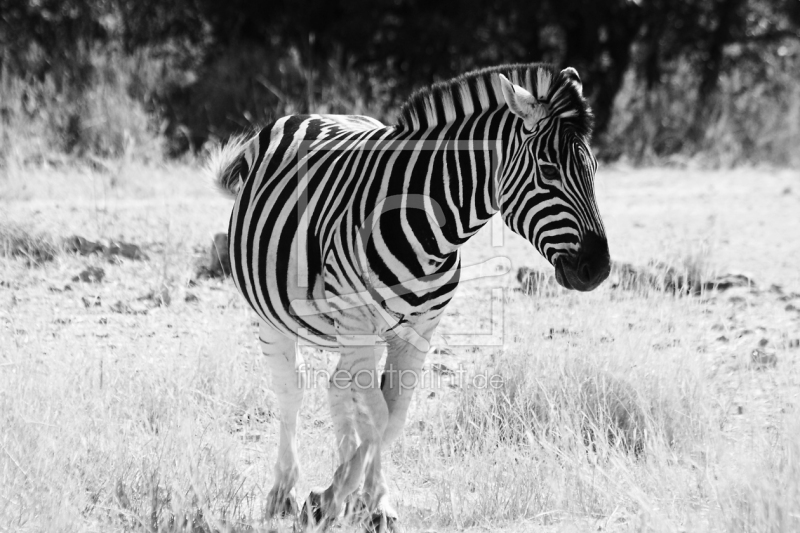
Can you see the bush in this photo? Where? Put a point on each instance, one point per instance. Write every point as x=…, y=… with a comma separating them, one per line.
x=244, y=87
x=41, y=121
x=753, y=118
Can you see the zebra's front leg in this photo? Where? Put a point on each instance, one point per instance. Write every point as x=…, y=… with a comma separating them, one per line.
x=359, y=374
x=288, y=384
x=401, y=375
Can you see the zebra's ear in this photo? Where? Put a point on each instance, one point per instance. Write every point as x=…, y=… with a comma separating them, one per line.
x=521, y=102
x=571, y=75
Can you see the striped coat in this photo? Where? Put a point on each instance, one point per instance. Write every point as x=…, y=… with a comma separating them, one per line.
x=346, y=233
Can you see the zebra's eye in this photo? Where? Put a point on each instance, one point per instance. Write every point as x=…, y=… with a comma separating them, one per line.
x=550, y=172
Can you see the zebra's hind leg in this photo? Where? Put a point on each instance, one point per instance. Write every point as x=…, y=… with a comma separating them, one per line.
x=288, y=384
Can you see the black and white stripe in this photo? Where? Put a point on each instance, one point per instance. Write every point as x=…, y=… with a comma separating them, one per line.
x=344, y=228
x=307, y=184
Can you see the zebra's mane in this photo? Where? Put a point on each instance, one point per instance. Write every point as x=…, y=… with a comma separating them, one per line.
x=480, y=91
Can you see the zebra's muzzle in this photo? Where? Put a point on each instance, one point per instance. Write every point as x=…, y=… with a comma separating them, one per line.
x=588, y=268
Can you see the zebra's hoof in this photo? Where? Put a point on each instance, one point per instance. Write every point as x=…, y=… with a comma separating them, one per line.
x=355, y=509
x=313, y=516
x=281, y=505
x=383, y=521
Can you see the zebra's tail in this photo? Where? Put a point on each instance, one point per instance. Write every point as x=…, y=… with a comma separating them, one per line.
x=227, y=165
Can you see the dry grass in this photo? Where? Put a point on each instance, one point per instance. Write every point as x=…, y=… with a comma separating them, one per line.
x=34, y=249
x=616, y=410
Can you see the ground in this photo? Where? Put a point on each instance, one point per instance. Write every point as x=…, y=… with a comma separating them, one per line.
x=141, y=402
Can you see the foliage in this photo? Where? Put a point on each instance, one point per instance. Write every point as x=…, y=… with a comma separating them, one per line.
x=664, y=76
x=43, y=119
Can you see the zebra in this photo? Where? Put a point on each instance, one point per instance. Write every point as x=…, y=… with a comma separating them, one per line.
x=345, y=234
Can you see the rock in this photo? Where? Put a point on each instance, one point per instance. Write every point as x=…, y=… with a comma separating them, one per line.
x=79, y=245
x=91, y=275
x=761, y=359
x=219, y=260
x=125, y=249
x=728, y=281
x=157, y=298
x=126, y=309
x=190, y=298
x=82, y=246
x=163, y=297
x=90, y=301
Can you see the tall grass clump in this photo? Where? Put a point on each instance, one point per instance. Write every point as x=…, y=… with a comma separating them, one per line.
x=580, y=433
x=35, y=248
x=688, y=273
x=524, y=410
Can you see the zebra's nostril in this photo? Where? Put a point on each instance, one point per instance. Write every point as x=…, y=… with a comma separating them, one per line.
x=585, y=272
x=594, y=262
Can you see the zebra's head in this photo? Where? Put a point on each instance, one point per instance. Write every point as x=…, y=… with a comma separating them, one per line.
x=547, y=185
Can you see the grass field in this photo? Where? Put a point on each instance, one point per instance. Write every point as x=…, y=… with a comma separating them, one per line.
x=140, y=403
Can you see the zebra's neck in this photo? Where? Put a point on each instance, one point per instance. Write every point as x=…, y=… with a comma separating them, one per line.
x=457, y=168
x=444, y=103
x=467, y=127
